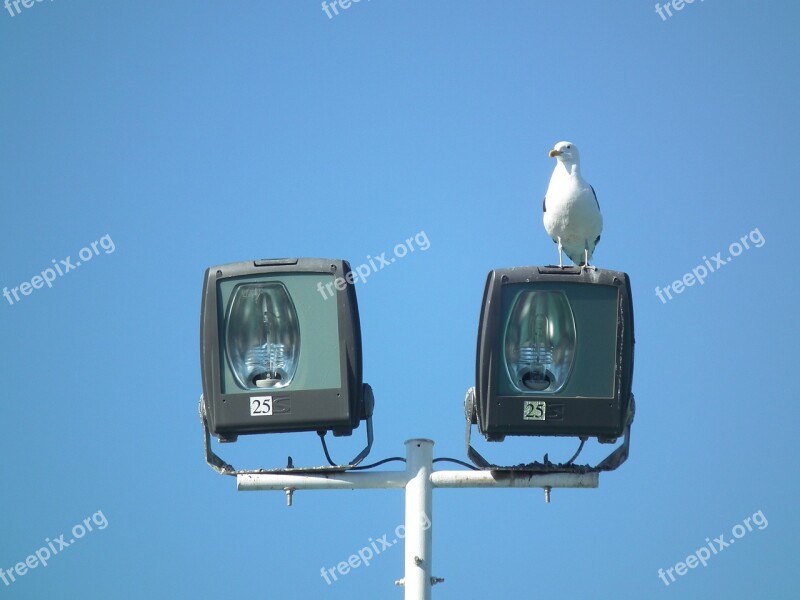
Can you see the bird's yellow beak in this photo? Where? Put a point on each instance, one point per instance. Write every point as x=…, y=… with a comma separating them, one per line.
x=554, y=153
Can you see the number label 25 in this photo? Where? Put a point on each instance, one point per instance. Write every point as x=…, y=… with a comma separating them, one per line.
x=534, y=410
x=260, y=406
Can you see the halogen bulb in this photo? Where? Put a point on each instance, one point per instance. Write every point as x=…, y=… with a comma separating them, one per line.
x=268, y=360
x=538, y=356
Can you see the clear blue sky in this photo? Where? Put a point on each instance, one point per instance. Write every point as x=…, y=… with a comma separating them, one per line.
x=198, y=133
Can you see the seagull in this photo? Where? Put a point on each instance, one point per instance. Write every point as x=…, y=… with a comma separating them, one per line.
x=571, y=212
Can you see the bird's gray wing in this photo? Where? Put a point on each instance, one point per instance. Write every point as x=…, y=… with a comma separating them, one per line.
x=595, y=197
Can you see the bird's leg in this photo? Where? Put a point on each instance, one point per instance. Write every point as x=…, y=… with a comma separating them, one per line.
x=586, y=264
x=560, y=257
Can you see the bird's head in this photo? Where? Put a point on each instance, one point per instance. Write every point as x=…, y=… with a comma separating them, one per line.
x=565, y=152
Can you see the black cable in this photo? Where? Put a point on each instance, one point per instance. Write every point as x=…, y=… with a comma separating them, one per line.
x=377, y=464
x=456, y=461
x=325, y=449
x=577, y=452
x=361, y=468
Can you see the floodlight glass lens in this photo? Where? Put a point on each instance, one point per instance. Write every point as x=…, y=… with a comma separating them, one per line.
x=262, y=336
x=540, y=342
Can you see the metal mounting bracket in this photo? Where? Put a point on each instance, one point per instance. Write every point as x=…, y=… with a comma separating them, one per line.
x=611, y=462
x=220, y=466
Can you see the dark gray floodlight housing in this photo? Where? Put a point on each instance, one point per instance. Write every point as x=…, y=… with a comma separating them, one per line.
x=280, y=348
x=555, y=354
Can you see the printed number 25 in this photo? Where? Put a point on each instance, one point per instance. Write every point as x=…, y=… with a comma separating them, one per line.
x=261, y=406
x=534, y=411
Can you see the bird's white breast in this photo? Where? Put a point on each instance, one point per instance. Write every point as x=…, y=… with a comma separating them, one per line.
x=572, y=212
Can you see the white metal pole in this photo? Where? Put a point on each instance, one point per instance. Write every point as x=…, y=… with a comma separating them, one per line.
x=419, y=520
x=418, y=479
x=253, y=482
x=513, y=479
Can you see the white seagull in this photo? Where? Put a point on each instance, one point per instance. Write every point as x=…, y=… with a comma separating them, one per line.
x=571, y=212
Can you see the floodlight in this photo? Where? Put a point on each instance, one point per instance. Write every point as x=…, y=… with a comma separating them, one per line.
x=555, y=354
x=281, y=349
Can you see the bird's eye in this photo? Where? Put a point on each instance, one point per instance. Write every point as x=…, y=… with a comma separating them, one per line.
x=568, y=147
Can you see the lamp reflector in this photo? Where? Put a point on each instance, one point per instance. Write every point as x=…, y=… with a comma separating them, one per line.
x=262, y=337
x=540, y=342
